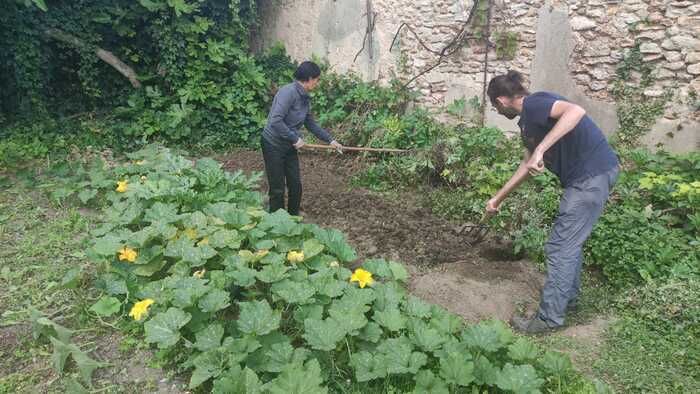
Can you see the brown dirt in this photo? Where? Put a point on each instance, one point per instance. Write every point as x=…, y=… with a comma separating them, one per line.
x=130, y=369
x=474, y=282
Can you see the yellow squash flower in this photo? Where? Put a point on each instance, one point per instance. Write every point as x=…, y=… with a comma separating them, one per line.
x=200, y=274
x=333, y=264
x=203, y=241
x=362, y=277
x=140, y=309
x=190, y=233
x=445, y=173
x=122, y=186
x=143, y=178
x=295, y=257
x=127, y=254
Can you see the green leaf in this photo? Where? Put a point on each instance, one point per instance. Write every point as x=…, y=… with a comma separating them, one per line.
x=184, y=248
x=298, y=378
x=522, y=350
x=391, y=319
x=389, y=295
x=428, y=383
x=427, y=338
x=272, y=273
x=323, y=334
x=164, y=328
x=215, y=300
x=237, y=381
x=556, y=364
x=108, y=245
x=368, y=366
x=304, y=312
x=208, y=365
x=294, y=292
x=444, y=321
x=106, y=306
x=326, y=284
x=457, y=369
x=399, y=356
x=195, y=220
x=187, y=291
x=41, y=4
x=487, y=336
x=71, y=278
x=312, y=248
x=113, y=284
x=209, y=338
x=378, y=268
x=350, y=316
x=242, y=275
x=225, y=239
x=371, y=332
x=86, y=365
x=335, y=241
x=161, y=212
x=74, y=387
x=416, y=307
x=519, y=379
x=86, y=195
x=257, y=318
x=280, y=223
x=61, y=351
x=42, y=325
x=485, y=372
x=146, y=255
x=150, y=268
x=282, y=354
x=153, y=5
x=229, y=213
x=398, y=271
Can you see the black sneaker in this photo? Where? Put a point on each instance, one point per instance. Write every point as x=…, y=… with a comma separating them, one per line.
x=533, y=325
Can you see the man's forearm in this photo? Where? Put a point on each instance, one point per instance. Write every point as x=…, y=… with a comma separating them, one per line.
x=565, y=124
x=520, y=175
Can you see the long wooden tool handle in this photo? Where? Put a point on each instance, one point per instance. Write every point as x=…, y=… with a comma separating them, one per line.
x=355, y=148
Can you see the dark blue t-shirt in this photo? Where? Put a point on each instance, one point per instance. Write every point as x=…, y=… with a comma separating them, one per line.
x=581, y=153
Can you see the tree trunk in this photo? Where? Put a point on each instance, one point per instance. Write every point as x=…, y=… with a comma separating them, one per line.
x=106, y=56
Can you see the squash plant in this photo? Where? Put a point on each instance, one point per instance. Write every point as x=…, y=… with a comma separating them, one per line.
x=253, y=302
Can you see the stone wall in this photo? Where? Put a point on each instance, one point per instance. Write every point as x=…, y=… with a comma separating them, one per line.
x=569, y=46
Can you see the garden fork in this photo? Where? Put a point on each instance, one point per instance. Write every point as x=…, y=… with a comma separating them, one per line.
x=475, y=233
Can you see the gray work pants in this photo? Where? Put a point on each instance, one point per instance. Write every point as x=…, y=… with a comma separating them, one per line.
x=580, y=207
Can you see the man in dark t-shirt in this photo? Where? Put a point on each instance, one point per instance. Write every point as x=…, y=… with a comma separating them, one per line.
x=558, y=136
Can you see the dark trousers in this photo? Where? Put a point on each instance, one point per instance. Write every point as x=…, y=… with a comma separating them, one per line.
x=580, y=207
x=282, y=168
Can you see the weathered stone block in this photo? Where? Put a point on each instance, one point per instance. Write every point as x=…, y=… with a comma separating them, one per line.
x=579, y=23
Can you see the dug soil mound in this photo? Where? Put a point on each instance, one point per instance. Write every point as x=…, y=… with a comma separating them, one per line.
x=474, y=282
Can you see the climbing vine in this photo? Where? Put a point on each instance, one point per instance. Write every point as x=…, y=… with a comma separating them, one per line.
x=174, y=70
x=636, y=112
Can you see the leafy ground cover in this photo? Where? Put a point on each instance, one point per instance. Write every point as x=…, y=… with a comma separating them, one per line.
x=240, y=298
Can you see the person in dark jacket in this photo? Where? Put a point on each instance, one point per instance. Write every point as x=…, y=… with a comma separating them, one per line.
x=559, y=136
x=281, y=138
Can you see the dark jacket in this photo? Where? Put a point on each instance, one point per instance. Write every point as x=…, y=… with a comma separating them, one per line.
x=290, y=109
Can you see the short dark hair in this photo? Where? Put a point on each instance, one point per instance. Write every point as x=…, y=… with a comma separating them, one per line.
x=509, y=85
x=307, y=70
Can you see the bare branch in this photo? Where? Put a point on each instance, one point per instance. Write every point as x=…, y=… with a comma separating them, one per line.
x=106, y=56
